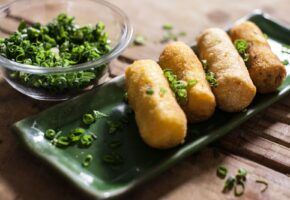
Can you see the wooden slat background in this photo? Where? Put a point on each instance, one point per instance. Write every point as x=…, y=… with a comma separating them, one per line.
x=261, y=145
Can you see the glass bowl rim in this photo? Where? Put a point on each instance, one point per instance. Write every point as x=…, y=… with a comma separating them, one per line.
x=123, y=42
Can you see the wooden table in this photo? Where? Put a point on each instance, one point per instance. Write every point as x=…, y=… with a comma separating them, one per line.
x=261, y=145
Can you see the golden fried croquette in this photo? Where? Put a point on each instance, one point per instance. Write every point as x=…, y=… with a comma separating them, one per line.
x=265, y=68
x=161, y=121
x=183, y=62
x=235, y=90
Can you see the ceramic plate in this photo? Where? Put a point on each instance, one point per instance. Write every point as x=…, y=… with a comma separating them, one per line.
x=140, y=162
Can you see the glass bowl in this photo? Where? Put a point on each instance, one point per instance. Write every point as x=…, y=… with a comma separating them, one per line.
x=85, y=12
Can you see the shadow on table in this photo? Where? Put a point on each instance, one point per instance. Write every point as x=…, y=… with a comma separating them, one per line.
x=186, y=175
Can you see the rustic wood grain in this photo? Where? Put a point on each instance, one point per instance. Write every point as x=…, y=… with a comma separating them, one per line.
x=255, y=147
x=270, y=126
x=264, y=140
x=192, y=17
x=195, y=178
x=280, y=111
x=149, y=51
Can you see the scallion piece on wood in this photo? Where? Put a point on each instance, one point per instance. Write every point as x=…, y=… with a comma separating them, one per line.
x=167, y=26
x=222, y=172
x=263, y=182
x=241, y=176
x=139, y=40
x=229, y=184
x=239, y=189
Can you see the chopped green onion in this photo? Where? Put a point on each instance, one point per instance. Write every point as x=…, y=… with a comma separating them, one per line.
x=149, y=91
x=59, y=43
x=99, y=115
x=239, y=189
x=114, y=126
x=229, y=184
x=86, y=140
x=285, y=62
x=139, y=40
x=242, y=47
x=113, y=158
x=211, y=78
x=87, y=161
x=265, y=35
x=88, y=119
x=78, y=131
x=50, y=134
x=222, y=172
x=61, y=141
x=167, y=26
x=182, y=93
x=167, y=36
x=241, y=176
x=264, y=182
x=108, y=159
x=162, y=91
x=182, y=33
x=76, y=134
x=115, y=144
x=192, y=83
x=179, y=87
x=22, y=25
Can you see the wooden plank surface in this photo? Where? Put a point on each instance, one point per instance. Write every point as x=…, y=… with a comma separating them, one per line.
x=195, y=178
x=260, y=145
x=255, y=147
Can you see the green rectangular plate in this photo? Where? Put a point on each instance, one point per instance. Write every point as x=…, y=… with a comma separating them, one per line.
x=140, y=162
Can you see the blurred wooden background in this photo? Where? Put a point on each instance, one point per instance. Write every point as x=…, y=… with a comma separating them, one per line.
x=260, y=145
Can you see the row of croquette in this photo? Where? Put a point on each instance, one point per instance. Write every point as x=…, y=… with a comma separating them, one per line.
x=161, y=120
